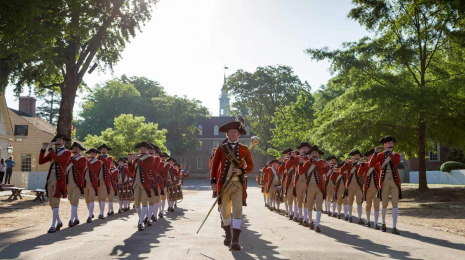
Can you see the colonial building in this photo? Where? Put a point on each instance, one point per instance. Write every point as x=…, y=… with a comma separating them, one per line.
x=6, y=130
x=30, y=132
x=209, y=138
x=434, y=160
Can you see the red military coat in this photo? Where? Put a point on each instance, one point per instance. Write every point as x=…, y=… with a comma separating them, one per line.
x=114, y=179
x=93, y=167
x=145, y=162
x=395, y=159
x=154, y=172
x=123, y=172
x=270, y=177
x=346, y=169
x=60, y=162
x=166, y=173
x=220, y=166
x=375, y=173
x=161, y=175
x=319, y=167
x=107, y=162
x=77, y=164
x=294, y=162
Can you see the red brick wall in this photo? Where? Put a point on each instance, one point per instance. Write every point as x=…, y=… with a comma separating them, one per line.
x=430, y=166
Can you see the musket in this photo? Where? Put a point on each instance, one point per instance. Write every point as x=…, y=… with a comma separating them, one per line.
x=254, y=140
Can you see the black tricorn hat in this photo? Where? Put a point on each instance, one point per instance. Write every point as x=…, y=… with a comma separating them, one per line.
x=143, y=144
x=121, y=159
x=320, y=152
x=92, y=150
x=303, y=144
x=354, y=152
x=331, y=157
x=176, y=164
x=164, y=155
x=370, y=152
x=274, y=161
x=287, y=151
x=154, y=147
x=296, y=152
x=104, y=146
x=62, y=136
x=315, y=148
x=233, y=125
x=386, y=139
x=171, y=160
x=78, y=145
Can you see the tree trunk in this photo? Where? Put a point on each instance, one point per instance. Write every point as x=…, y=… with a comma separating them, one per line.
x=423, y=185
x=68, y=95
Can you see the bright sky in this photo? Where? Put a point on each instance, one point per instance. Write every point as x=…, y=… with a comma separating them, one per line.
x=187, y=43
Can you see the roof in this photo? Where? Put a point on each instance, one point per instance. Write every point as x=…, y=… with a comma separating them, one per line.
x=40, y=123
x=208, y=126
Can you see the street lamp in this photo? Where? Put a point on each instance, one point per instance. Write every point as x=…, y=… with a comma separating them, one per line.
x=9, y=149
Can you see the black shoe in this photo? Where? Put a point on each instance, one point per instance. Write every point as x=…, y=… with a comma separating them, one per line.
x=140, y=227
x=153, y=218
x=100, y=216
x=305, y=224
x=311, y=225
x=145, y=221
x=70, y=224
x=360, y=222
x=108, y=213
x=120, y=211
x=112, y=212
x=329, y=214
x=377, y=226
x=160, y=215
x=89, y=220
x=334, y=215
x=149, y=223
x=301, y=221
x=317, y=229
x=172, y=209
x=92, y=215
x=59, y=226
x=52, y=230
x=383, y=228
x=286, y=214
x=338, y=216
x=291, y=217
x=368, y=224
x=395, y=231
x=350, y=219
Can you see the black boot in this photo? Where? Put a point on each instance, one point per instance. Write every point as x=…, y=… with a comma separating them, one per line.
x=52, y=230
x=235, y=240
x=383, y=228
x=89, y=220
x=140, y=227
x=70, y=224
x=59, y=226
x=227, y=232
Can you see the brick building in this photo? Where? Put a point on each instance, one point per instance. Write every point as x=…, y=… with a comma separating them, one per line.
x=434, y=159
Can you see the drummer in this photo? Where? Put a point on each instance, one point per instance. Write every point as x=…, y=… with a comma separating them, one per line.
x=123, y=198
x=179, y=178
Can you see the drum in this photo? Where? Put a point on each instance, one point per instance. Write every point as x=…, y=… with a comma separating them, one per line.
x=125, y=192
x=278, y=190
x=175, y=192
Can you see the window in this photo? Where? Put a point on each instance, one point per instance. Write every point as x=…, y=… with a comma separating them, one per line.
x=183, y=162
x=199, y=146
x=26, y=160
x=21, y=130
x=200, y=129
x=215, y=144
x=434, y=155
x=215, y=130
x=199, y=163
x=247, y=129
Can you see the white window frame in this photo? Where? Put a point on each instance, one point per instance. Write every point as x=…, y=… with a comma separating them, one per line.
x=199, y=146
x=200, y=129
x=216, y=130
x=431, y=154
x=26, y=159
x=199, y=163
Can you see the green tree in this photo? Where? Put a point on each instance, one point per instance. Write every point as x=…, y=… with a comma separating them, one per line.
x=407, y=80
x=54, y=43
x=49, y=109
x=126, y=133
x=258, y=94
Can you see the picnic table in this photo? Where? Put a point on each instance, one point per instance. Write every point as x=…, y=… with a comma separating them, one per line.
x=39, y=195
x=15, y=192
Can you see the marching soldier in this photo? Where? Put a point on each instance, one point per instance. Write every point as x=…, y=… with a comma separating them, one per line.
x=178, y=178
x=339, y=195
x=154, y=201
x=229, y=158
x=170, y=173
x=104, y=181
x=139, y=166
x=91, y=181
x=122, y=179
x=299, y=183
x=371, y=187
x=55, y=185
x=273, y=180
x=354, y=184
x=113, y=190
x=313, y=170
x=330, y=170
x=75, y=180
x=389, y=183
x=162, y=182
x=260, y=179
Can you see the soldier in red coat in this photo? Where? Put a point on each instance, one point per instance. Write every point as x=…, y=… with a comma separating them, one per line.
x=55, y=185
x=354, y=184
x=154, y=200
x=162, y=182
x=75, y=180
x=389, y=183
x=313, y=172
x=371, y=187
x=104, y=181
x=170, y=172
x=122, y=178
x=286, y=182
x=139, y=166
x=113, y=187
x=231, y=162
x=91, y=181
x=273, y=180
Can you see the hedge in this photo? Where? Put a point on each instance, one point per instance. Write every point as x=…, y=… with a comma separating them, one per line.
x=449, y=166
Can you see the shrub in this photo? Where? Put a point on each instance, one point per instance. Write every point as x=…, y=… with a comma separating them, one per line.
x=449, y=166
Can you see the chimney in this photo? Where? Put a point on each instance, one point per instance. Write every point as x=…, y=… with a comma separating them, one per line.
x=27, y=105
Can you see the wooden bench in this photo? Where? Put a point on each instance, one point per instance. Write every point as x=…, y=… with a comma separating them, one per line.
x=39, y=195
x=15, y=192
